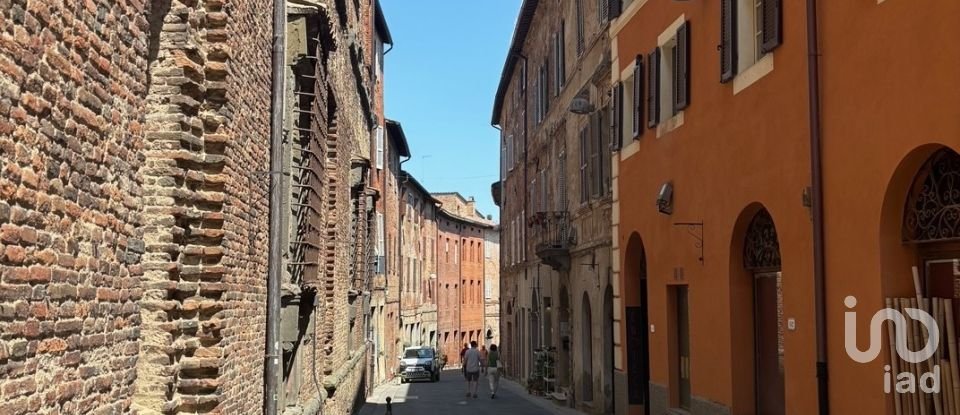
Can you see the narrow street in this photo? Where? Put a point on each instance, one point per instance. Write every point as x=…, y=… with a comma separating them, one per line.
x=447, y=397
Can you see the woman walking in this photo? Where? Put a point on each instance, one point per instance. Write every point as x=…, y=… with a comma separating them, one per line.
x=493, y=365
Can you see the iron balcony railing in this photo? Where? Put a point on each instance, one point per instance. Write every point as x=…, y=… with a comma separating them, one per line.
x=551, y=230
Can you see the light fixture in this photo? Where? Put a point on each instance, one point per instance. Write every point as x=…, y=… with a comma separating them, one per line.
x=582, y=106
x=665, y=199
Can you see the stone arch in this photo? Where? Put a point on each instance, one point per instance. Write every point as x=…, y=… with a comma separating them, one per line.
x=607, y=325
x=754, y=251
x=635, y=328
x=920, y=223
x=896, y=256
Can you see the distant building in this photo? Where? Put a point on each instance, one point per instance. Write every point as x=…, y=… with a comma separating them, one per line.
x=461, y=259
x=418, y=271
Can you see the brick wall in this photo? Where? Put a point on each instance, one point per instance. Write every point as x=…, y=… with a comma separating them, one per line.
x=126, y=226
x=71, y=126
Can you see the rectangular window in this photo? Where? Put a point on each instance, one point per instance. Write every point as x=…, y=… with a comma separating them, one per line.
x=561, y=57
x=380, y=249
x=636, y=100
x=627, y=131
x=378, y=59
x=749, y=29
x=603, y=159
x=595, y=166
x=523, y=235
x=543, y=190
x=509, y=149
x=580, y=40
x=584, y=161
x=380, y=149
x=503, y=158
x=667, y=74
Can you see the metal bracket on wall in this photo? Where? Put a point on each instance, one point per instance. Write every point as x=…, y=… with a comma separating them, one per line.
x=695, y=229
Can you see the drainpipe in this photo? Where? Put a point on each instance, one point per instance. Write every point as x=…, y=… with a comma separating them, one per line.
x=271, y=370
x=813, y=73
x=523, y=221
x=400, y=215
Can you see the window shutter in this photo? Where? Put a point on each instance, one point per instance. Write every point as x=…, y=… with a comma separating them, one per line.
x=653, y=88
x=556, y=63
x=638, y=98
x=616, y=143
x=563, y=54
x=728, y=40
x=772, y=20
x=681, y=80
x=603, y=9
x=616, y=7
x=594, y=163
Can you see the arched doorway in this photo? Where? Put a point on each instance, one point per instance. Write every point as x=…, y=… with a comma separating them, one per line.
x=586, y=351
x=564, y=361
x=637, y=324
x=607, y=324
x=534, y=329
x=931, y=224
x=761, y=258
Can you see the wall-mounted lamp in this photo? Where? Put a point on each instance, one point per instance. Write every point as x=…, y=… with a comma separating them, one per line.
x=665, y=199
x=582, y=106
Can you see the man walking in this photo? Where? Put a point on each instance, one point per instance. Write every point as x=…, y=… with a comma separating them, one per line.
x=483, y=359
x=471, y=369
x=493, y=375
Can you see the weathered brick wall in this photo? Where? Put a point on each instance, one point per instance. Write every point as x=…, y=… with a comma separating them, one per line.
x=71, y=116
x=246, y=210
x=125, y=127
x=339, y=323
x=205, y=209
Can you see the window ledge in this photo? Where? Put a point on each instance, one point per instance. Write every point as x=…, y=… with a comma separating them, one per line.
x=667, y=126
x=753, y=74
x=630, y=149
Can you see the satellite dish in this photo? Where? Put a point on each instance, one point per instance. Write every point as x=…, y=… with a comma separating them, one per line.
x=580, y=105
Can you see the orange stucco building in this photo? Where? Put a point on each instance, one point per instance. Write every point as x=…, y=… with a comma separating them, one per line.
x=715, y=199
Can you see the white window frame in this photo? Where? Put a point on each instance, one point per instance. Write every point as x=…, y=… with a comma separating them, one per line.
x=752, y=63
x=670, y=118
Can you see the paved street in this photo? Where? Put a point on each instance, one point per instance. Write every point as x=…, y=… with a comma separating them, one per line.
x=448, y=397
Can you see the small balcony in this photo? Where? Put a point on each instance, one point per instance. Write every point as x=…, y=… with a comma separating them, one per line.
x=553, y=237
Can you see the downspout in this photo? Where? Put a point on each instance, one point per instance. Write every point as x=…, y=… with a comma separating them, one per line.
x=456, y=256
x=271, y=370
x=400, y=215
x=816, y=168
x=436, y=268
x=523, y=221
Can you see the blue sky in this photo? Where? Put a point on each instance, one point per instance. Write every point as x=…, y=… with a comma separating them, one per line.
x=441, y=77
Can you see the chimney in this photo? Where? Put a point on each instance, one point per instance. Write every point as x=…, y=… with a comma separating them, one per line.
x=471, y=206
